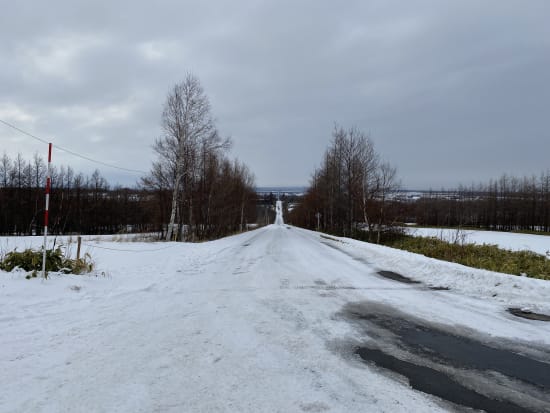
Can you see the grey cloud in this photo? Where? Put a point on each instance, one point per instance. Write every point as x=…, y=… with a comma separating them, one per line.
x=450, y=91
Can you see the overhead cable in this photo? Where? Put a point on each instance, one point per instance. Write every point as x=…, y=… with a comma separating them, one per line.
x=87, y=158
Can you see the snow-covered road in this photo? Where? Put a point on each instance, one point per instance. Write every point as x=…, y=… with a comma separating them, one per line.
x=250, y=323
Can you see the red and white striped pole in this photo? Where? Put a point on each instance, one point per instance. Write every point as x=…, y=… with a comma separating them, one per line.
x=48, y=186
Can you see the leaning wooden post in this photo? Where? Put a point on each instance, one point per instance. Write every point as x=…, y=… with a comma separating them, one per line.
x=46, y=209
x=79, y=242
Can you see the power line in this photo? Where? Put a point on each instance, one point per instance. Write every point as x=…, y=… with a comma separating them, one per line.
x=23, y=132
x=72, y=152
x=139, y=171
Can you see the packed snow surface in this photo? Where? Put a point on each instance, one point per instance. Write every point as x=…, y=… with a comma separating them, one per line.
x=506, y=240
x=279, y=213
x=243, y=324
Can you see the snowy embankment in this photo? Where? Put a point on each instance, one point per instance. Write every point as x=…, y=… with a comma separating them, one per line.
x=248, y=323
x=506, y=240
x=508, y=290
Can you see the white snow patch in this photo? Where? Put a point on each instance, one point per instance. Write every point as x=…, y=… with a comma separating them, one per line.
x=506, y=240
x=239, y=324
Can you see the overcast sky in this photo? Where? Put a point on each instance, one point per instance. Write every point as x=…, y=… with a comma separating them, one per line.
x=450, y=91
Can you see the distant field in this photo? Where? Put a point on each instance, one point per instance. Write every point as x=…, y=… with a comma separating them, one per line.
x=506, y=240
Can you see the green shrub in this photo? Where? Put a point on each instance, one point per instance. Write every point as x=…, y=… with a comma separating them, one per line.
x=31, y=260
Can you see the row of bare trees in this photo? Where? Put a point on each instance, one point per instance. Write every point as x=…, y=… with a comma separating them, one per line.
x=211, y=196
x=506, y=204
x=351, y=189
x=78, y=203
x=19, y=198
x=224, y=201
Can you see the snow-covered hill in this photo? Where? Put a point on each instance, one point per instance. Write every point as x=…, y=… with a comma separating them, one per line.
x=247, y=324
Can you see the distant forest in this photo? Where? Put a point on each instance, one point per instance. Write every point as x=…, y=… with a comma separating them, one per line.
x=353, y=193
x=89, y=205
x=222, y=205
x=504, y=204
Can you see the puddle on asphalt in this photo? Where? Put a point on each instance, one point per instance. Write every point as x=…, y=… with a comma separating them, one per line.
x=464, y=352
x=397, y=277
x=518, y=312
x=459, y=351
x=440, y=360
x=439, y=384
x=435, y=288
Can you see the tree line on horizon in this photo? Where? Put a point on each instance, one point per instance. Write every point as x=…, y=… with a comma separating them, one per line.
x=353, y=193
x=78, y=203
x=194, y=191
x=505, y=204
x=88, y=204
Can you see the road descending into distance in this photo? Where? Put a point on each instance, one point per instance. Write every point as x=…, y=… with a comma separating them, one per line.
x=278, y=319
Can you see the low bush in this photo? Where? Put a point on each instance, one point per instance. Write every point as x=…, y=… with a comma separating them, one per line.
x=31, y=260
x=488, y=257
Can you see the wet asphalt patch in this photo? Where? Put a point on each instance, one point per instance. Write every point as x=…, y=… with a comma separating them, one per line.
x=457, y=365
x=518, y=312
x=463, y=352
x=397, y=277
x=431, y=381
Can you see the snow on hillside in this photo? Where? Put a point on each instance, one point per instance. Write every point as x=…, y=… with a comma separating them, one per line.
x=244, y=324
x=507, y=240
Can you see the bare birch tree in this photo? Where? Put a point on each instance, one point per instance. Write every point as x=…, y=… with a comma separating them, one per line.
x=186, y=120
x=188, y=128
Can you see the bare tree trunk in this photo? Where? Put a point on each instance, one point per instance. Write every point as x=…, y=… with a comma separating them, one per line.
x=380, y=221
x=191, y=225
x=173, y=212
